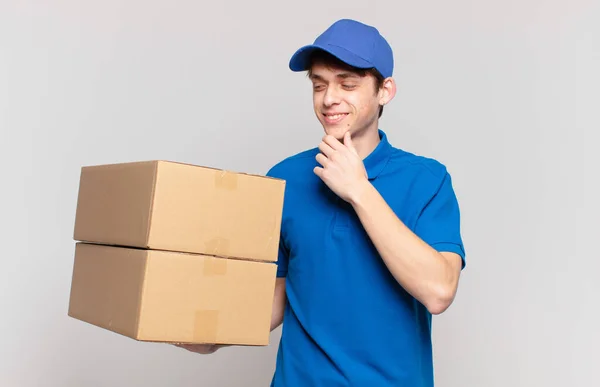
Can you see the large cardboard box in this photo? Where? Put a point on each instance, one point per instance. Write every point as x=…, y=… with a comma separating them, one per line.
x=172, y=206
x=164, y=296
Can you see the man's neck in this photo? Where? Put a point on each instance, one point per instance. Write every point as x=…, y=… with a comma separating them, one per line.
x=366, y=142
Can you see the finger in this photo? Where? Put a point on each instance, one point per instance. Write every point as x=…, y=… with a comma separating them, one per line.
x=321, y=159
x=348, y=142
x=326, y=149
x=333, y=142
x=318, y=171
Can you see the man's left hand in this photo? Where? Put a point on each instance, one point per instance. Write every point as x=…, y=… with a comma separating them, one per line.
x=341, y=167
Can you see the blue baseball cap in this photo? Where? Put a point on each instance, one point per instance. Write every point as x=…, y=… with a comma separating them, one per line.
x=352, y=42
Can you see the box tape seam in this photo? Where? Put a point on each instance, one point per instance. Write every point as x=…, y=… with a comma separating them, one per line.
x=226, y=180
x=217, y=246
x=214, y=266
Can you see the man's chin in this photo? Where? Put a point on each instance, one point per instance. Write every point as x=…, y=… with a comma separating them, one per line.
x=336, y=131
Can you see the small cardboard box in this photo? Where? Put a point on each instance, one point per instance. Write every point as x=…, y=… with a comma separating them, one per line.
x=163, y=296
x=172, y=206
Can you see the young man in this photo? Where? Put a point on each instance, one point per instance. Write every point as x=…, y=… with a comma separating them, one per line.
x=370, y=242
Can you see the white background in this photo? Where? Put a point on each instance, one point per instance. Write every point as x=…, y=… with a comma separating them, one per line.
x=505, y=93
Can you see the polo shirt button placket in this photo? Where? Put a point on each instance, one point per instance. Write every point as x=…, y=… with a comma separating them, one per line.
x=341, y=215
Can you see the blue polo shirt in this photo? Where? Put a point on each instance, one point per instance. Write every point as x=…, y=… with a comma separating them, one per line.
x=347, y=321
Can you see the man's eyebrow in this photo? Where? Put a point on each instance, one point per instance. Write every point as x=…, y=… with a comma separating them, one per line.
x=347, y=75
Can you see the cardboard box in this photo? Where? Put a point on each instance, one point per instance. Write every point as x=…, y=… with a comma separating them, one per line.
x=165, y=205
x=163, y=296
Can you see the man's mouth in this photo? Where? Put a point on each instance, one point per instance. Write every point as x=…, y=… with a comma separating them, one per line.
x=334, y=118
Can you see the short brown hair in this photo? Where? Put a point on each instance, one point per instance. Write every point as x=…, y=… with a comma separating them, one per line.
x=326, y=59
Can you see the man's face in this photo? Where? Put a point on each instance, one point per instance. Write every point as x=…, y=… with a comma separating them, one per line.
x=344, y=100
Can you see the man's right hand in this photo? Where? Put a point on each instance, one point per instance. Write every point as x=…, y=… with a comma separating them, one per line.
x=203, y=349
x=279, y=302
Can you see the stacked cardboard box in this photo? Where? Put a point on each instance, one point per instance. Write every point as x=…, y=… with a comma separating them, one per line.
x=172, y=252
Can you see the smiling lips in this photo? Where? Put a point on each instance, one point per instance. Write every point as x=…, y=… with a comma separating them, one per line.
x=334, y=118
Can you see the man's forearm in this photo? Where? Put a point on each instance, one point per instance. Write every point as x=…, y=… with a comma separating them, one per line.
x=279, y=301
x=276, y=323
x=429, y=276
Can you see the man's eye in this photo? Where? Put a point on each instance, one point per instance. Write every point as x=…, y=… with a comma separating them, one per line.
x=349, y=86
x=318, y=87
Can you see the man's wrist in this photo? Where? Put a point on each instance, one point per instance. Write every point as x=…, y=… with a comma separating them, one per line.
x=359, y=193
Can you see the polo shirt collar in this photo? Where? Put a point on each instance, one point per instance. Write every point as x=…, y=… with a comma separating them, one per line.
x=376, y=161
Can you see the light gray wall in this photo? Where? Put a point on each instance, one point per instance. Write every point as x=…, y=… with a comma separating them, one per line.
x=505, y=93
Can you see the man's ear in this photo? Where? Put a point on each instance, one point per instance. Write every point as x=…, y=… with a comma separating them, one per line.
x=387, y=91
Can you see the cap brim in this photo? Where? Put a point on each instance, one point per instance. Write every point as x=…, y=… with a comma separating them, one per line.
x=300, y=61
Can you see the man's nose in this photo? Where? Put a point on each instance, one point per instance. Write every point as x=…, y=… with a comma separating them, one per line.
x=331, y=96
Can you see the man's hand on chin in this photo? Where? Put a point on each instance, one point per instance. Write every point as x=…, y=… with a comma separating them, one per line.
x=341, y=168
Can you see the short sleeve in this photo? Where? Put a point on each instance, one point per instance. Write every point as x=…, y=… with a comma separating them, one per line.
x=438, y=223
x=283, y=252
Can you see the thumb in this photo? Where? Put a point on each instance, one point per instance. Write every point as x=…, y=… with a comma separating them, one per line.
x=348, y=142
